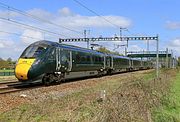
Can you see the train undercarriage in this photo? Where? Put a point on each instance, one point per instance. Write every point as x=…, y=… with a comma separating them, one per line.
x=60, y=77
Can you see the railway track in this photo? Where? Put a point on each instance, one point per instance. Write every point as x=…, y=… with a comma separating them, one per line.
x=14, y=86
x=8, y=82
x=6, y=78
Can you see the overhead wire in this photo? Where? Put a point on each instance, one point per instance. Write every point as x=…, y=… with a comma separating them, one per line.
x=17, y=34
x=127, y=30
x=37, y=18
x=92, y=11
x=30, y=26
x=49, y=22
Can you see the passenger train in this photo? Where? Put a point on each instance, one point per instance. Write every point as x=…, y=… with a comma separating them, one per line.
x=55, y=62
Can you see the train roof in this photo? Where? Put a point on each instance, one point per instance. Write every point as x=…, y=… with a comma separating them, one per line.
x=44, y=42
x=71, y=47
x=118, y=56
x=76, y=48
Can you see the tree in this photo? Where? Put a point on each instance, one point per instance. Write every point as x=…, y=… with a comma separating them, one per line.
x=178, y=61
x=9, y=60
x=7, y=63
x=105, y=50
x=4, y=64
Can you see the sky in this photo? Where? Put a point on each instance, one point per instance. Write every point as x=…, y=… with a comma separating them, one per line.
x=140, y=17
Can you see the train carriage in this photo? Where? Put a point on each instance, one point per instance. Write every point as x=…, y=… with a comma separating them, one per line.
x=54, y=62
x=120, y=63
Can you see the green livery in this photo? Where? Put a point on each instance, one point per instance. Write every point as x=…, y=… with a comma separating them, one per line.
x=55, y=62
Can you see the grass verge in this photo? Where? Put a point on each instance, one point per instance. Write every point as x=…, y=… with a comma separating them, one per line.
x=7, y=78
x=169, y=110
x=7, y=70
x=126, y=99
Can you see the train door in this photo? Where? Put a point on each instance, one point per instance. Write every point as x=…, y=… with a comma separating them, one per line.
x=112, y=64
x=142, y=63
x=104, y=62
x=131, y=63
x=108, y=61
x=58, y=59
x=66, y=60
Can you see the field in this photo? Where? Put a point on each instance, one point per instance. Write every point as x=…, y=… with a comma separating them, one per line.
x=135, y=96
x=7, y=70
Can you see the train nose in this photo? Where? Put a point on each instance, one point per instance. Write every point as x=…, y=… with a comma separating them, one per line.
x=22, y=69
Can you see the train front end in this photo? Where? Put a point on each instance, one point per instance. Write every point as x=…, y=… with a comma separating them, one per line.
x=29, y=65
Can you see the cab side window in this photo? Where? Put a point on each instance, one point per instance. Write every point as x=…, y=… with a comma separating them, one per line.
x=51, y=54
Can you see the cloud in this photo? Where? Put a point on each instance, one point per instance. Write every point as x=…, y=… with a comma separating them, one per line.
x=8, y=49
x=66, y=12
x=8, y=14
x=36, y=35
x=79, y=21
x=172, y=25
x=175, y=42
x=63, y=17
x=135, y=48
x=40, y=13
x=1, y=45
x=6, y=43
x=174, y=45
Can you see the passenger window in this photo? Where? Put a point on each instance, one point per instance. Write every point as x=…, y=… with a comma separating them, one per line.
x=99, y=59
x=93, y=59
x=78, y=59
x=83, y=59
x=88, y=58
x=96, y=59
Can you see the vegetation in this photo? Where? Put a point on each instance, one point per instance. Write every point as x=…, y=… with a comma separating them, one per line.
x=169, y=110
x=105, y=50
x=140, y=97
x=132, y=99
x=7, y=78
x=7, y=64
x=178, y=61
x=7, y=70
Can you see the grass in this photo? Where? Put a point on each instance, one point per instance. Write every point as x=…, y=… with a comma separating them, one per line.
x=82, y=105
x=7, y=70
x=169, y=111
x=128, y=102
x=7, y=78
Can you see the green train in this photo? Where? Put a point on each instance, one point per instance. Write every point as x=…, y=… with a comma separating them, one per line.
x=55, y=62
